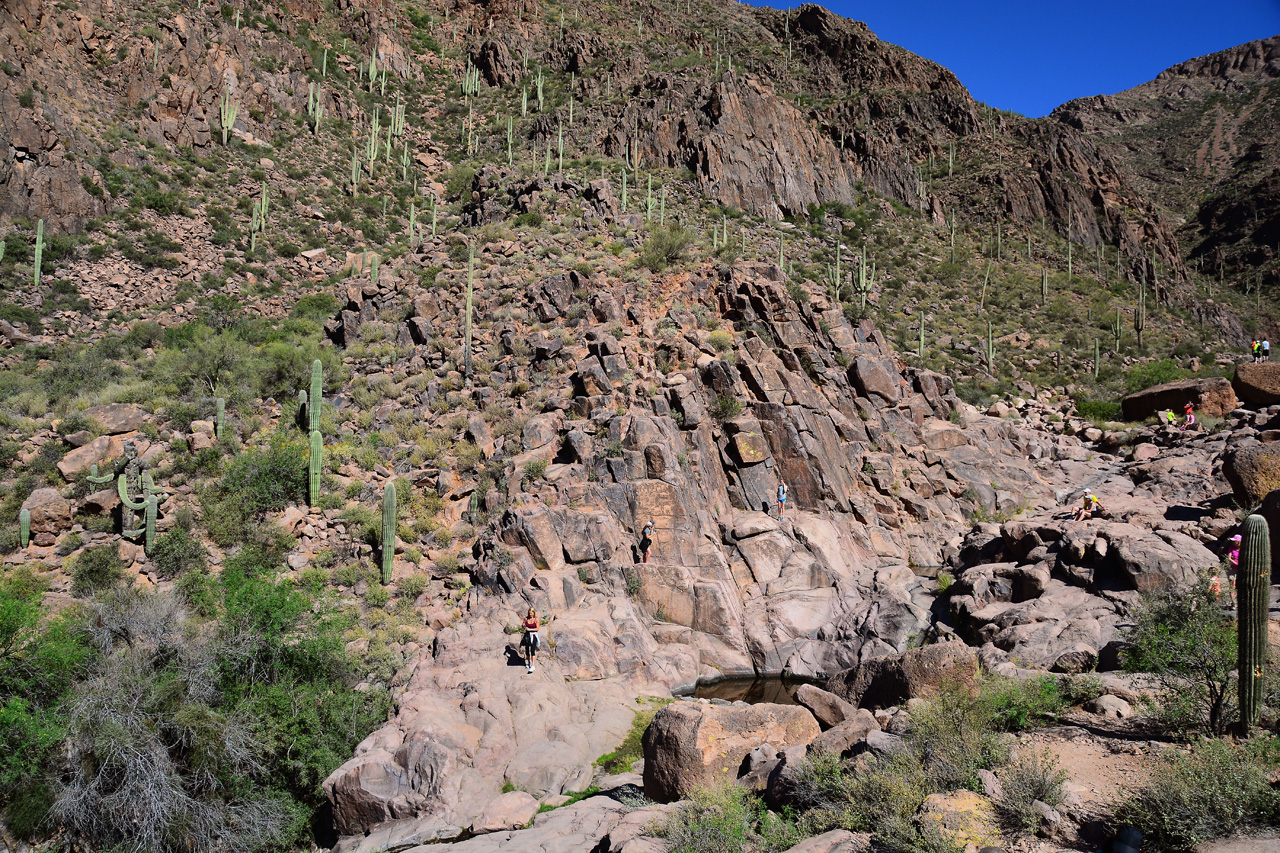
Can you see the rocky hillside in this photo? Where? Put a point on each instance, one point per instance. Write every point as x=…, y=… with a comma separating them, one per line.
x=543, y=275
x=1199, y=141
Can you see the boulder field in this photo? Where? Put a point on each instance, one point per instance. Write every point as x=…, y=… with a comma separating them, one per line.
x=913, y=518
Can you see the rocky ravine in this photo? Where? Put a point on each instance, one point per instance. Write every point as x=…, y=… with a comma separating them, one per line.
x=887, y=471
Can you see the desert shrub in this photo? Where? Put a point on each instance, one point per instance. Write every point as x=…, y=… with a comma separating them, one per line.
x=957, y=734
x=410, y=587
x=664, y=246
x=44, y=656
x=727, y=819
x=720, y=341
x=1031, y=776
x=1098, y=410
x=726, y=407
x=1188, y=643
x=267, y=478
x=1215, y=790
x=534, y=469
x=177, y=552
x=1149, y=373
x=1016, y=703
x=97, y=569
x=363, y=523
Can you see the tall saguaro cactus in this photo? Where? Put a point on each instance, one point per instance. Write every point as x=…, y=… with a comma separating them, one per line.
x=24, y=527
x=466, y=345
x=39, y=252
x=316, y=398
x=314, y=460
x=388, y=531
x=221, y=422
x=1254, y=586
x=147, y=505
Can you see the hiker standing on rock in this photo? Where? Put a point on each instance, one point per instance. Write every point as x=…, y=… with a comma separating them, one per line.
x=646, y=540
x=782, y=500
x=1266, y=350
x=530, y=641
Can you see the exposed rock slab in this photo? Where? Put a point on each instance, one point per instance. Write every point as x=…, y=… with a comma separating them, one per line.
x=1211, y=396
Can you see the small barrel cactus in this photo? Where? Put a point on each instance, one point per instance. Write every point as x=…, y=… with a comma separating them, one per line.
x=1254, y=587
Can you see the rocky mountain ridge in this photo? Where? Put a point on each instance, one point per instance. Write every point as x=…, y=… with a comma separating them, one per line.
x=716, y=288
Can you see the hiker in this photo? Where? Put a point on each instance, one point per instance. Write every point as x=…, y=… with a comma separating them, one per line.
x=530, y=641
x=1255, y=350
x=1171, y=418
x=1233, y=559
x=1089, y=507
x=1190, y=416
x=646, y=540
x=782, y=500
x=1266, y=350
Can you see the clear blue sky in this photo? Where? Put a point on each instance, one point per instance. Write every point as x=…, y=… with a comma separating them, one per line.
x=1031, y=57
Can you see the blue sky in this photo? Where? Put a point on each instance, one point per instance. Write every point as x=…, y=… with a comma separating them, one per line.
x=1031, y=57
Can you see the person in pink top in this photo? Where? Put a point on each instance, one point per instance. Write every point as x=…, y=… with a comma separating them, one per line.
x=1190, y=416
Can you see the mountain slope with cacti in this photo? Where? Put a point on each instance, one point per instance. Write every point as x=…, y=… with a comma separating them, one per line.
x=335, y=336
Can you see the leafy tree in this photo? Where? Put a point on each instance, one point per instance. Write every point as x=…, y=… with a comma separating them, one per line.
x=1185, y=639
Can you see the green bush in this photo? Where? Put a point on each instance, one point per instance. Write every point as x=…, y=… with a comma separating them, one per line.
x=1016, y=703
x=97, y=569
x=1098, y=410
x=1216, y=790
x=1149, y=373
x=1188, y=643
x=727, y=819
x=1032, y=776
x=664, y=246
x=411, y=586
x=262, y=479
x=726, y=407
x=957, y=734
x=177, y=552
x=534, y=469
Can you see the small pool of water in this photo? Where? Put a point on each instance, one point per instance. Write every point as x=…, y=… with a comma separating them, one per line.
x=754, y=691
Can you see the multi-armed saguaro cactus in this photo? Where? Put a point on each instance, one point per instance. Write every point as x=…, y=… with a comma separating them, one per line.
x=227, y=111
x=145, y=507
x=315, y=458
x=388, y=531
x=316, y=400
x=24, y=527
x=1253, y=584
x=99, y=481
x=39, y=252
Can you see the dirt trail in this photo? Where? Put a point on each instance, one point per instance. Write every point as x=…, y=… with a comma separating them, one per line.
x=1098, y=767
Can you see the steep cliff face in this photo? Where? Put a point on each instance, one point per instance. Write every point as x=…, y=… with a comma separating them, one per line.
x=1200, y=141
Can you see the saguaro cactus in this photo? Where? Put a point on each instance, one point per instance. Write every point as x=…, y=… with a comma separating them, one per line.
x=148, y=505
x=466, y=344
x=1254, y=586
x=316, y=399
x=24, y=527
x=314, y=460
x=221, y=421
x=388, y=531
x=39, y=252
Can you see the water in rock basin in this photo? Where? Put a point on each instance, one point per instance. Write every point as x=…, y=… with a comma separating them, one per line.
x=754, y=691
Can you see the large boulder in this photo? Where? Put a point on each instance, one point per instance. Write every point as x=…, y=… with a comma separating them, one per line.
x=1258, y=383
x=512, y=810
x=50, y=515
x=117, y=418
x=1253, y=472
x=829, y=709
x=1154, y=558
x=1211, y=396
x=99, y=450
x=893, y=679
x=692, y=744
